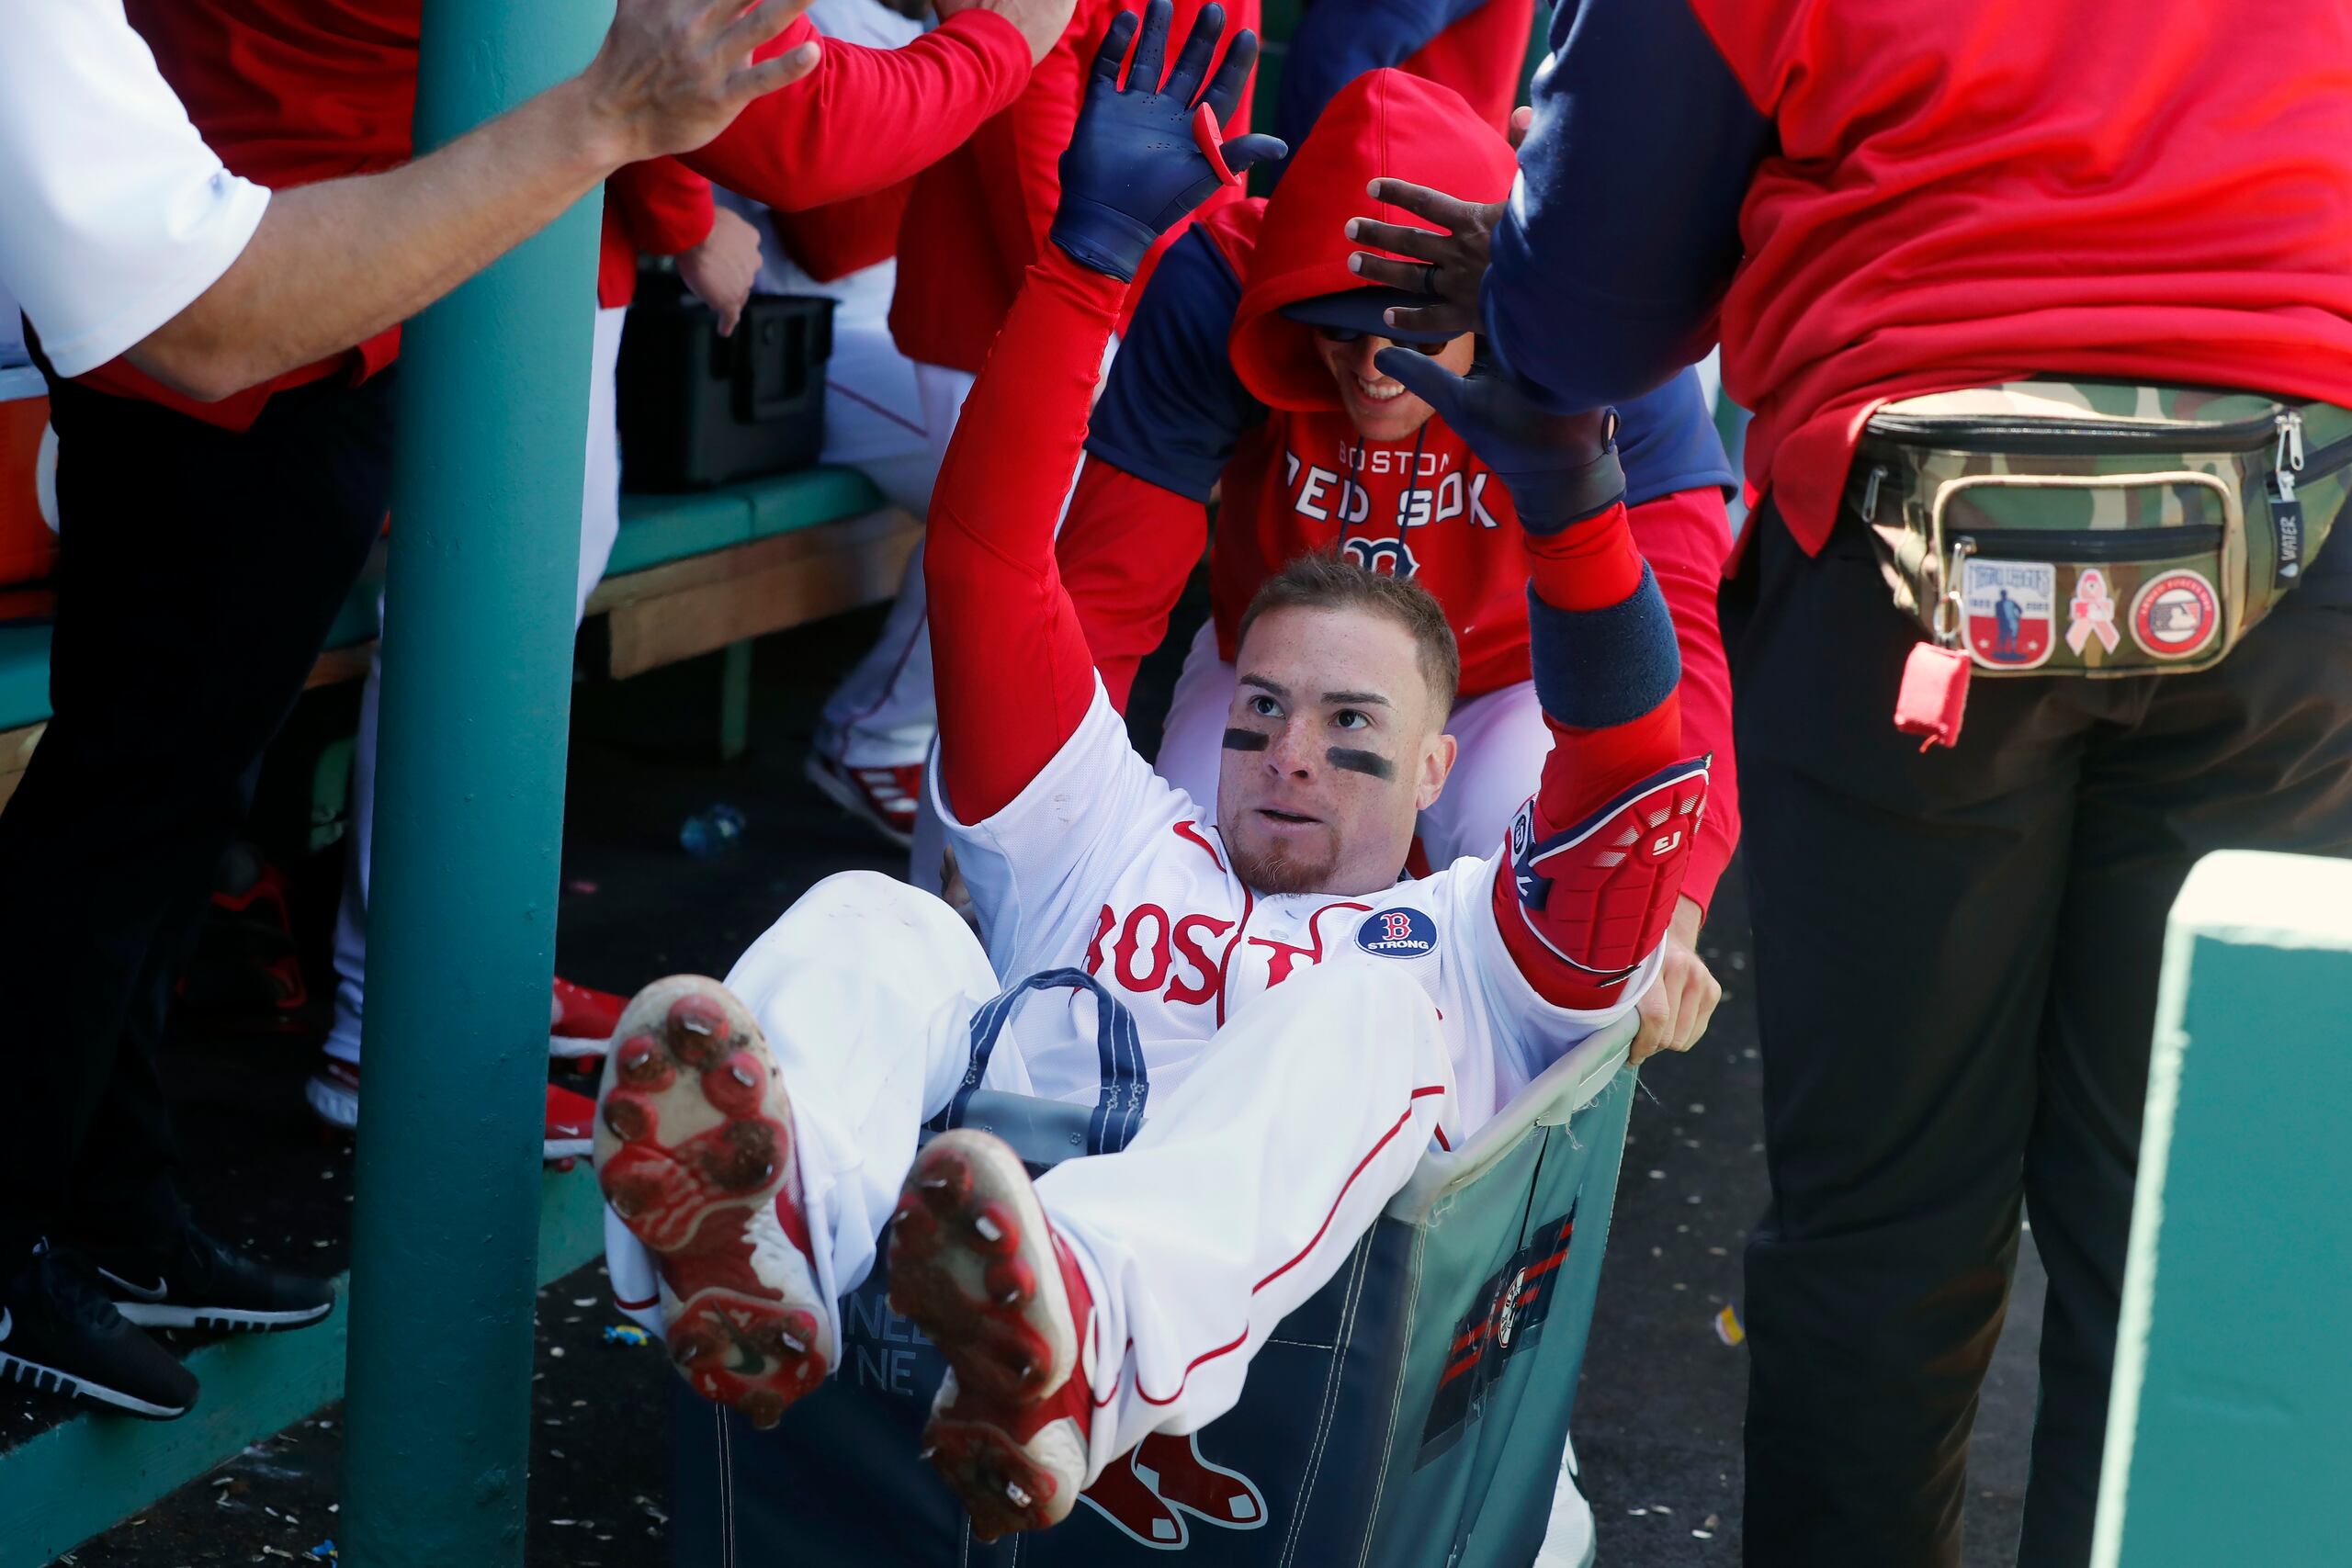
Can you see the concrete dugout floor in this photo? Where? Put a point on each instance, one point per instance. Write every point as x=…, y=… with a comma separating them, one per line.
x=1658, y=1420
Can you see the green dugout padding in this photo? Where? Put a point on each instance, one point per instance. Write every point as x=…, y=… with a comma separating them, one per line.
x=2229, y=1435
x=67, y=1485
x=655, y=530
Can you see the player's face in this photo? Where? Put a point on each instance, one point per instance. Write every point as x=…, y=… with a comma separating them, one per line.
x=1380, y=407
x=1333, y=745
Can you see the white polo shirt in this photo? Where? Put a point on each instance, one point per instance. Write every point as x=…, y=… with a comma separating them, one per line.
x=114, y=214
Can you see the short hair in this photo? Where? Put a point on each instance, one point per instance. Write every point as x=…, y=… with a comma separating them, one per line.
x=1333, y=583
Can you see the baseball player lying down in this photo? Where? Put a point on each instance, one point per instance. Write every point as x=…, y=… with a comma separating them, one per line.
x=1311, y=1024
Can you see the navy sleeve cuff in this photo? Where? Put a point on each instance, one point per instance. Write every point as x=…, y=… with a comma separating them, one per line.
x=1599, y=668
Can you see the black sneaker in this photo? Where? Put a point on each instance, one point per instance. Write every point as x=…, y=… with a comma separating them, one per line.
x=59, y=1335
x=195, y=1282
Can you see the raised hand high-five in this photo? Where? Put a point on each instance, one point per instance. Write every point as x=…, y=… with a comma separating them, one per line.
x=1560, y=468
x=1147, y=153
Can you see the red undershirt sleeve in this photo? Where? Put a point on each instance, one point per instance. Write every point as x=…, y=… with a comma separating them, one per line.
x=1686, y=537
x=665, y=206
x=1014, y=673
x=1127, y=548
x=866, y=118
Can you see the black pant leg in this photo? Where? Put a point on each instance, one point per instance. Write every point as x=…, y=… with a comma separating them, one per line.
x=1904, y=907
x=2254, y=754
x=198, y=574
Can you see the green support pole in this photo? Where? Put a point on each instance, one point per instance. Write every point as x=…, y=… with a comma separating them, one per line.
x=492, y=406
x=2229, y=1434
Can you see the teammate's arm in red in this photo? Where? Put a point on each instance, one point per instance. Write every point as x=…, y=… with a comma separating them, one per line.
x=1127, y=548
x=1595, y=862
x=1686, y=536
x=1018, y=153
x=664, y=206
x=867, y=117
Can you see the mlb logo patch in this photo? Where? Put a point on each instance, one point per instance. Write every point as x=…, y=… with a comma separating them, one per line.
x=2012, y=612
x=1397, y=933
x=2175, y=615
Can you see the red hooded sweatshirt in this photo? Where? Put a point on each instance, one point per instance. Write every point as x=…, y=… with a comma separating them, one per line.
x=977, y=217
x=1213, y=387
x=291, y=92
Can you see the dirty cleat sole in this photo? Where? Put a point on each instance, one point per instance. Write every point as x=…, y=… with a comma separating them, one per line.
x=693, y=1151
x=973, y=1264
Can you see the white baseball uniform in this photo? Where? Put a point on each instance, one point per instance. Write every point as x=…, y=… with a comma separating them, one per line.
x=1302, y=1051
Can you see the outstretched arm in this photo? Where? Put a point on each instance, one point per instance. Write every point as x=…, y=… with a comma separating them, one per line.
x=1596, y=860
x=1166, y=421
x=866, y=118
x=1014, y=673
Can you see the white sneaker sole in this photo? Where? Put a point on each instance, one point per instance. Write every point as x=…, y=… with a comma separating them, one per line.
x=153, y=1315
x=49, y=1379
x=338, y=1108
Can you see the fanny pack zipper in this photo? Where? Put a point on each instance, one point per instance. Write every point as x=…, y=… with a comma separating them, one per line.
x=2292, y=466
x=2062, y=438
x=2091, y=544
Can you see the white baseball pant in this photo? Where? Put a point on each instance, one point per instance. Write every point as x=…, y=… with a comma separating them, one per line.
x=884, y=713
x=600, y=522
x=1243, y=1194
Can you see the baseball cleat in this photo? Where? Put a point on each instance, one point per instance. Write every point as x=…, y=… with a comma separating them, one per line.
x=693, y=1151
x=976, y=1266
x=565, y=1133
x=581, y=1021
x=882, y=798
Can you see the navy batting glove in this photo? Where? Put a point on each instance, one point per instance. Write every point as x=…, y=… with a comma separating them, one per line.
x=1146, y=155
x=1559, y=468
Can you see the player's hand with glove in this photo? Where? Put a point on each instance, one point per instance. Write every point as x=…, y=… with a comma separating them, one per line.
x=1146, y=154
x=1562, y=469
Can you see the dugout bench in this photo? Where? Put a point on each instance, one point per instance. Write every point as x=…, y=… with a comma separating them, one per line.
x=689, y=575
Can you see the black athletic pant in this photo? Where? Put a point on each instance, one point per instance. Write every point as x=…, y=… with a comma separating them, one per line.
x=199, y=574
x=1956, y=959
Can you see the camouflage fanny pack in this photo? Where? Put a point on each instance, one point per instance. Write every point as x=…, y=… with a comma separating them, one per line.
x=2097, y=528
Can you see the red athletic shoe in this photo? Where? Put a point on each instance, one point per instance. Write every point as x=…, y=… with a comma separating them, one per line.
x=568, y=1132
x=694, y=1149
x=885, y=797
x=581, y=1021
x=976, y=1267
x=570, y=1125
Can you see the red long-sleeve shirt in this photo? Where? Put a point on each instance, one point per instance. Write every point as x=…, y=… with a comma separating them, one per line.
x=658, y=208
x=291, y=92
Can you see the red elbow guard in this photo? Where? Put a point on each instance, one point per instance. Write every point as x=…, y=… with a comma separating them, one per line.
x=1582, y=909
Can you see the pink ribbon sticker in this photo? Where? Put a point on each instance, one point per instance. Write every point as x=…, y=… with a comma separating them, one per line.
x=2091, y=612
